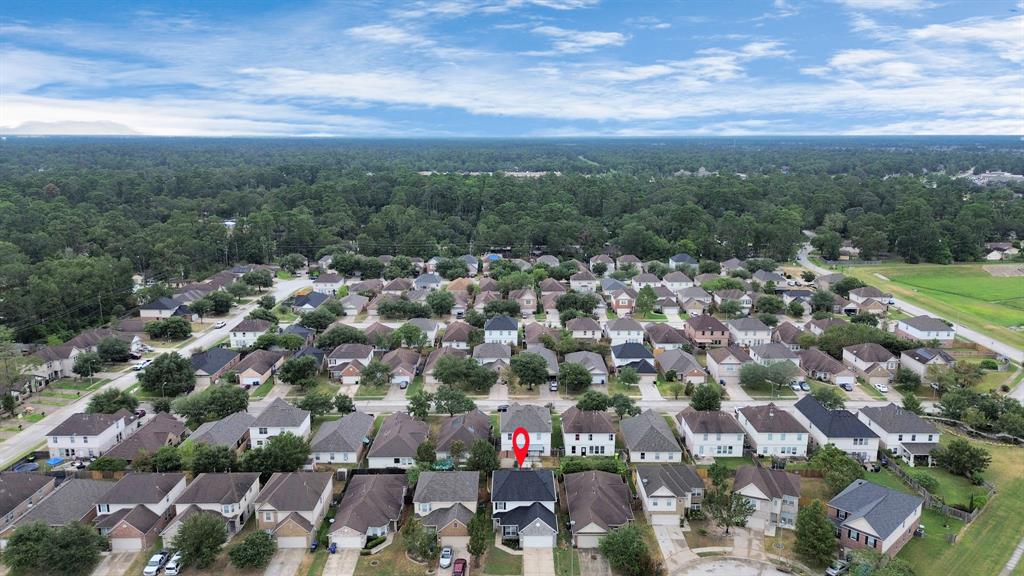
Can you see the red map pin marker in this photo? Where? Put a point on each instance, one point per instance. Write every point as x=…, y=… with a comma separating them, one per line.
x=520, y=451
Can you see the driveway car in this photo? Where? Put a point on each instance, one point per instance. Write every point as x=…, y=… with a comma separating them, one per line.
x=446, y=557
x=156, y=562
x=220, y=324
x=460, y=569
x=174, y=566
x=837, y=568
x=881, y=387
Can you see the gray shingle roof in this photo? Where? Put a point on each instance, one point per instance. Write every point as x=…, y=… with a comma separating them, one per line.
x=771, y=418
x=533, y=418
x=771, y=483
x=466, y=428
x=280, y=414
x=576, y=421
x=926, y=355
x=492, y=350
x=632, y=350
x=447, y=487
x=625, y=325
x=501, y=323
x=218, y=488
x=16, y=487
x=523, y=486
x=346, y=434
x=371, y=500
x=142, y=488
x=212, y=360
x=597, y=497
x=870, y=352
x=720, y=355
x=260, y=361
x=399, y=436
x=680, y=479
x=748, y=325
x=444, y=516
x=224, y=432
x=648, y=432
x=591, y=360
x=709, y=421
x=679, y=360
x=158, y=432
x=884, y=509
x=82, y=424
x=252, y=325
x=583, y=323
x=69, y=502
x=833, y=423
x=294, y=491
x=926, y=324
x=894, y=419
x=524, y=516
x=774, y=351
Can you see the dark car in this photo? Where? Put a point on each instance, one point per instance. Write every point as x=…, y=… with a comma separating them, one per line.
x=846, y=386
x=460, y=568
x=503, y=408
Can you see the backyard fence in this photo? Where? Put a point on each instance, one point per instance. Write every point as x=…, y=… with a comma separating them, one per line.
x=995, y=437
x=936, y=503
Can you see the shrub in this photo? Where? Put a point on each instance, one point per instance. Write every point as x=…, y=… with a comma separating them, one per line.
x=372, y=543
x=989, y=364
x=926, y=480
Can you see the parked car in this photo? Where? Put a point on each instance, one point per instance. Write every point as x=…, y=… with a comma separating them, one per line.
x=805, y=386
x=503, y=408
x=553, y=386
x=460, y=568
x=403, y=384
x=837, y=568
x=174, y=566
x=847, y=386
x=156, y=562
x=881, y=387
x=141, y=365
x=445, y=560
x=795, y=386
x=871, y=466
x=220, y=324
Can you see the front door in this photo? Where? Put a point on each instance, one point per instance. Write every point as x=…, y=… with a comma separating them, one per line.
x=583, y=450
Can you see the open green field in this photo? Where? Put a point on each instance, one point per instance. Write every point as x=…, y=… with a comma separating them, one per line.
x=964, y=293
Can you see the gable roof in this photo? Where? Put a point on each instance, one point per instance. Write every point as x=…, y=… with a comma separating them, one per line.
x=815, y=360
x=662, y=333
x=723, y=354
x=591, y=360
x=709, y=421
x=16, y=487
x=772, y=483
x=218, y=488
x=882, y=508
x=492, y=350
x=683, y=258
x=404, y=358
x=70, y=502
x=679, y=479
x=624, y=325
x=833, y=423
x=632, y=350
x=523, y=486
x=85, y=424
x=893, y=418
x=347, y=434
x=351, y=351
x=748, y=325
x=150, y=438
x=142, y=488
x=648, y=432
x=162, y=303
x=706, y=323
x=583, y=275
x=224, y=432
x=357, y=301
x=926, y=324
x=870, y=352
x=576, y=421
x=439, y=353
x=371, y=500
x=466, y=428
x=527, y=516
x=926, y=355
x=314, y=299
x=597, y=497
x=774, y=351
x=140, y=517
x=399, y=436
x=280, y=414
x=501, y=323
x=260, y=361
x=294, y=491
x=787, y=333
x=582, y=323
x=679, y=360
x=771, y=418
x=455, y=486
x=533, y=418
x=457, y=331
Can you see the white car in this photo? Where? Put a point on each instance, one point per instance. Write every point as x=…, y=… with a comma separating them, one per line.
x=220, y=324
x=174, y=566
x=881, y=387
x=446, y=557
x=156, y=561
x=140, y=365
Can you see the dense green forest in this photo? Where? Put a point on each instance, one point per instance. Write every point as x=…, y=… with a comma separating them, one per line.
x=78, y=216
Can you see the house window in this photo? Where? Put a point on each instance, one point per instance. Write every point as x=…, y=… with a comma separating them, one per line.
x=228, y=508
x=900, y=437
x=499, y=505
x=263, y=430
x=425, y=507
x=104, y=508
x=871, y=541
x=853, y=535
x=643, y=455
x=510, y=531
x=398, y=460
x=611, y=437
x=573, y=449
x=913, y=437
x=268, y=516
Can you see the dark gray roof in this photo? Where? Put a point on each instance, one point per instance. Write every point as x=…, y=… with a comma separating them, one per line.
x=280, y=414
x=632, y=350
x=591, y=360
x=894, y=419
x=212, y=360
x=218, y=488
x=298, y=330
x=260, y=361
x=625, y=325
x=533, y=418
x=399, y=435
x=833, y=423
x=523, y=486
x=314, y=299
x=252, y=325
x=16, y=487
x=140, y=517
x=771, y=418
x=748, y=324
x=163, y=303
x=466, y=428
x=774, y=351
x=576, y=421
x=884, y=509
x=142, y=488
x=492, y=350
x=642, y=366
x=680, y=479
x=294, y=491
x=709, y=421
x=313, y=352
x=648, y=432
x=771, y=483
x=926, y=355
x=926, y=324
x=162, y=430
x=444, y=516
x=597, y=497
x=706, y=323
x=371, y=500
x=679, y=360
x=69, y=502
x=661, y=333
x=224, y=432
x=870, y=352
x=447, y=487
x=501, y=323
x=347, y=434
x=83, y=424
x=684, y=258
x=351, y=351
x=611, y=285
x=523, y=516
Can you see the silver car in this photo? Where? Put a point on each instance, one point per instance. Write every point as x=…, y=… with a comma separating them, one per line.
x=446, y=557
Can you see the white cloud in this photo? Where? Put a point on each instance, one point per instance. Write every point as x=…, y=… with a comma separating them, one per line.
x=566, y=41
x=386, y=34
x=1005, y=37
x=889, y=5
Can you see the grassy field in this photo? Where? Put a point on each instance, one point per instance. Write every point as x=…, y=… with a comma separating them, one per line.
x=390, y=561
x=964, y=293
x=501, y=563
x=665, y=389
x=616, y=387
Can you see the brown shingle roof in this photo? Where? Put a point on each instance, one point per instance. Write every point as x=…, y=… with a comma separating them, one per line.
x=710, y=422
x=771, y=418
x=576, y=421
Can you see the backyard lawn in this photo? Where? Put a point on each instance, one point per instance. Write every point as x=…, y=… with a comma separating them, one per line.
x=557, y=441
x=497, y=562
x=390, y=561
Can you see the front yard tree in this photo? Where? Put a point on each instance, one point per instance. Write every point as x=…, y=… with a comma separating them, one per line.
x=293, y=262
x=676, y=388
x=87, y=364
x=576, y=378
x=222, y=302
x=27, y=548
x=200, y=539
x=830, y=397
x=74, y=550
x=259, y=278
x=267, y=302
x=840, y=470
x=376, y=374
x=795, y=309
x=254, y=552
x=731, y=309
x=530, y=368
x=419, y=404
x=213, y=403
x=112, y=349
x=483, y=457
x=316, y=403
x=297, y=369
x=441, y=302
x=201, y=308
x=318, y=319
x=339, y=335
x=912, y=404
x=628, y=376
x=728, y=508
x=408, y=335
x=822, y=301
x=591, y=399
x=343, y=404
x=962, y=458
x=169, y=375
x=645, y=301
x=707, y=398
x=815, y=535
x=623, y=405
x=111, y=400
x=452, y=400
x=625, y=549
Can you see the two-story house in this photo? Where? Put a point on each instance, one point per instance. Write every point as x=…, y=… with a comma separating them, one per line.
x=292, y=505
x=775, y=495
x=906, y=434
x=85, y=435
x=346, y=362
x=445, y=502
x=396, y=442
x=919, y=359
x=279, y=417
x=749, y=332
x=623, y=301
x=132, y=513
x=467, y=429
x=587, y=432
x=342, y=441
x=926, y=329
x=838, y=427
x=648, y=438
x=536, y=420
x=404, y=363
x=329, y=283
x=245, y=333
x=583, y=281
x=668, y=492
x=708, y=434
x=584, y=328
x=371, y=507
x=593, y=362
x=523, y=507
x=501, y=330
x=624, y=330
x=231, y=431
x=230, y=495
x=598, y=503
x=870, y=516
x=773, y=431
x=21, y=491
x=872, y=362
x=724, y=364
x=457, y=335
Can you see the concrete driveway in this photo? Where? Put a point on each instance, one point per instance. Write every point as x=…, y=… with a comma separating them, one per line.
x=673, y=546
x=460, y=549
x=593, y=563
x=342, y=564
x=114, y=564
x=286, y=562
x=730, y=566
x=538, y=562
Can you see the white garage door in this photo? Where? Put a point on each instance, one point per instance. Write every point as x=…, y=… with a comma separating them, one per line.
x=125, y=544
x=664, y=520
x=291, y=542
x=587, y=540
x=348, y=541
x=542, y=541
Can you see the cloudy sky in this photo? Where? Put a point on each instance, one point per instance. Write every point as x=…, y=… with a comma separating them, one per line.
x=513, y=67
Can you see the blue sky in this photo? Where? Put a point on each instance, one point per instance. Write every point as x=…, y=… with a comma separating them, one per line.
x=499, y=68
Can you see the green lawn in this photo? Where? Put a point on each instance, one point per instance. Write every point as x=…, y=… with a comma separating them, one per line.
x=816, y=384
x=32, y=418
x=390, y=561
x=871, y=391
x=80, y=385
x=285, y=315
x=500, y=563
x=416, y=386
x=733, y=463
x=764, y=391
x=993, y=379
x=557, y=441
x=365, y=392
x=964, y=293
x=616, y=387
x=652, y=317
x=284, y=275
x=262, y=390
x=324, y=385
x=952, y=489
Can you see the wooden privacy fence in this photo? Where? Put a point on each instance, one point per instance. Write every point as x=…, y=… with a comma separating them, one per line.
x=935, y=503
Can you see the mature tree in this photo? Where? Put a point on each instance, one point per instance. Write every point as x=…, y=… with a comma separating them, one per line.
x=624, y=405
x=769, y=304
x=628, y=376
x=962, y=458
x=727, y=508
x=419, y=404
x=483, y=457
x=338, y=335
x=213, y=403
x=282, y=453
x=457, y=451
x=292, y=262
x=626, y=550
x=74, y=550
x=173, y=328
x=578, y=301
x=844, y=286
x=212, y=458
x=530, y=368
x=481, y=534
x=676, y=388
x=28, y=548
x=452, y=268
x=864, y=318
x=202, y=308
x=88, y=364
x=254, y=552
x=730, y=309
x=815, y=535
x=828, y=244
x=199, y=539
x=707, y=397
x=295, y=370
x=267, y=302
x=318, y=319
x=113, y=349
x=222, y=302
x=508, y=308
x=426, y=454
x=169, y=375
x=452, y=400
x=795, y=309
x=830, y=397
x=906, y=380
x=912, y=404
x=420, y=543
x=575, y=378
x=316, y=403
x=376, y=374
x=111, y=400
x=838, y=337
x=441, y=302
x=822, y=301
x=343, y=404
x=773, y=376
x=165, y=459
x=840, y=470
x=719, y=474
x=645, y=301
x=409, y=336
x=259, y=279
x=591, y=399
